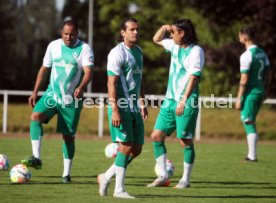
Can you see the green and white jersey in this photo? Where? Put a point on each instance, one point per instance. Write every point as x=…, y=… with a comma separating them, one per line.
x=255, y=63
x=67, y=67
x=184, y=63
x=127, y=63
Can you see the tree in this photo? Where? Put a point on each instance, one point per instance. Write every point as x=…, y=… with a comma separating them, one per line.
x=230, y=16
x=7, y=42
x=27, y=27
x=108, y=16
x=217, y=24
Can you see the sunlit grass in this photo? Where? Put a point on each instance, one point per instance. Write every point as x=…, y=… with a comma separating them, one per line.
x=218, y=174
x=214, y=122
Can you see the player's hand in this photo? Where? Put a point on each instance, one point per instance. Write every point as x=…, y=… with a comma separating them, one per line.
x=238, y=105
x=116, y=118
x=167, y=28
x=78, y=93
x=32, y=100
x=144, y=113
x=180, y=109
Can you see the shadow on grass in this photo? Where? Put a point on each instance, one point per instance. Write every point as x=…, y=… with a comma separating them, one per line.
x=58, y=181
x=93, y=176
x=61, y=183
x=144, y=184
x=203, y=182
x=54, y=183
x=143, y=181
x=236, y=184
x=210, y=197
x=140, y=177
x=232, y=183
x=236, y=187
x=147, y=179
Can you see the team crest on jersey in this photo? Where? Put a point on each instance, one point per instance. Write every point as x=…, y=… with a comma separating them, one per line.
x=124, y=134
x=75, y=55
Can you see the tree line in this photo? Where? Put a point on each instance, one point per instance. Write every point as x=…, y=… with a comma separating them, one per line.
x=28, y=28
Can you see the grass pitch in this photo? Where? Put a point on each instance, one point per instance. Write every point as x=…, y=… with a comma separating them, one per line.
x=215, y=123
x=218, y=175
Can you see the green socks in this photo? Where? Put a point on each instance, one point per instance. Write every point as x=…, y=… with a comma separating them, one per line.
x=121, y=160
x=36, y=130
x=68, y=149
x=159, y=149
x=189, y=154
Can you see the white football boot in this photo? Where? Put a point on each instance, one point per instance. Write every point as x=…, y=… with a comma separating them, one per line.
x=103, y=184
x=123, y=194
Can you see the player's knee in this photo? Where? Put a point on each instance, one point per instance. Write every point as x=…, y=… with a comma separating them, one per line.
x=249, y=122
x=126, y=148
x=67, y=138
x=186, y=142
x=156, y=136
x=36, y=116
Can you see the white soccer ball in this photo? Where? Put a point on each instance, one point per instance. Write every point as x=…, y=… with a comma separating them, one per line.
x=111, y=150
x=169, y=167
x=20, y=174
x=4, y=162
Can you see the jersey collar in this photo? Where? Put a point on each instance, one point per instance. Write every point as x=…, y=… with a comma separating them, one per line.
x=74, y=44
x=252, y=46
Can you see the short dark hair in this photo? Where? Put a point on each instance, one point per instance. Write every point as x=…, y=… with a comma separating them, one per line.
x=186, y=25
x=249, y=32
x=70, y=21
x=123, y=27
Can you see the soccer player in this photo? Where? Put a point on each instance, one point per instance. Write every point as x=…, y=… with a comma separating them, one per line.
x=127, y=109
x=70, y=61
x=254, y=68
x=180, y=108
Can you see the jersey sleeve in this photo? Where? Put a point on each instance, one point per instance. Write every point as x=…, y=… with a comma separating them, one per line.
x=47, y=60
x=267, y=63
x=114, y=63
x=87, y=57
x=196, y=62
x=245, y=62
x=168, y=44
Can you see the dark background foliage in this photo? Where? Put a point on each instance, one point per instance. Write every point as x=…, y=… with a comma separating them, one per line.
x=27, y=28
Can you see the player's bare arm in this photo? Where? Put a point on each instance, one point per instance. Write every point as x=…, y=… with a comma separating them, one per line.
x=39, y=79
x=86, y=79
x=143, y=107
x=242, y=87
x=112, y=97
x=193, y=79
x=159, y=35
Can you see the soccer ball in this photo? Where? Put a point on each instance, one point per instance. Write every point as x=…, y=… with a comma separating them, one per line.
x=20, y=174
x=169, y=167
x=4, y=162
x=111, y=150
